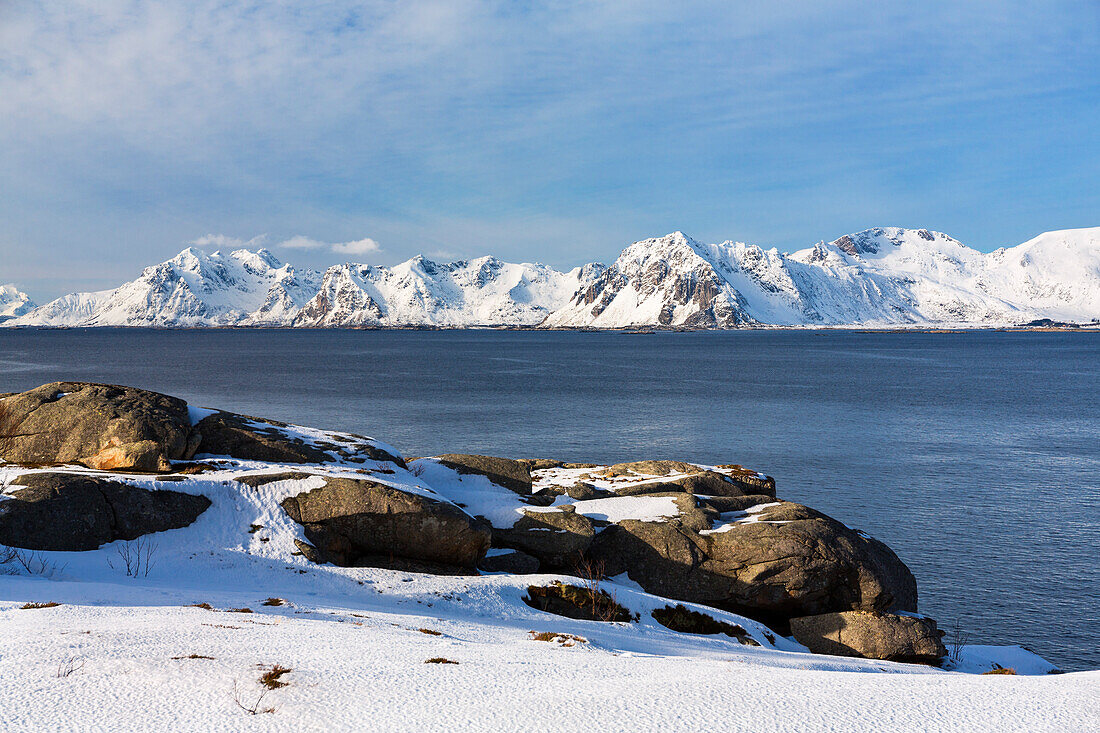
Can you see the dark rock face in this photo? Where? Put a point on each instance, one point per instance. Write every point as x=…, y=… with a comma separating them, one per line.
x=351, y=521
x=794, y=562
x=99, y=425
x=72, y=512
x=515, y=562
x=557, y=538
x=513, y=474
x=871, y=635
x=256, y=439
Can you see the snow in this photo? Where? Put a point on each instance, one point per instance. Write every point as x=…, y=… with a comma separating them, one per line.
x=727, y=521
x=616, y=509
x=13, y=302
x=879, y=277
x=352, y=638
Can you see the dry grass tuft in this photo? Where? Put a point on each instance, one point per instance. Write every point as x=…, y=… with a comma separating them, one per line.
x=193, y=656
x=34, y=604
x=275, y=602
x=204, y=605
x=560, y=638
x=439, y=660
x=1001, y=670
x=270, y=678
x=239, y=610
x=432, y=632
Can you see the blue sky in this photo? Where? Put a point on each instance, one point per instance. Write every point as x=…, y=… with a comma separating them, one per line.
x=556, y=132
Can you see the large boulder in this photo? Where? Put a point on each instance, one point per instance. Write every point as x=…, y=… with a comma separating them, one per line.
x=71, y=512
x=774, y=563
x=557, y=537
x=644, y=477
x=871, y=635
x=99, y=425
x=511, y=473
x=258, y=439
x=362, y=522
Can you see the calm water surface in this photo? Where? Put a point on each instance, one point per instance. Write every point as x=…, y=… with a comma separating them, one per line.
x=975, y=456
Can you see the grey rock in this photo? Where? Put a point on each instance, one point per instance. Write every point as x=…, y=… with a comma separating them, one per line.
x=355, y=521
x=99, y=425
x=71, y=512
x=871, y=635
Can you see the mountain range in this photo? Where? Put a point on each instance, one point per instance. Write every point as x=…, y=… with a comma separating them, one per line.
x=880, y=277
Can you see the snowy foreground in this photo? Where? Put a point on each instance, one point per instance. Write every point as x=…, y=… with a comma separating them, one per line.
x=128, y=653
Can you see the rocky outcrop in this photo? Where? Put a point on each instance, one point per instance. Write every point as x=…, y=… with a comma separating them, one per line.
x=99, y=425
x=360, y=522
x=871, y=635
x=509, y=561
x=558, y=538
x=787, y=560
x=511, y=473
x=257, y=439
x=71, y=512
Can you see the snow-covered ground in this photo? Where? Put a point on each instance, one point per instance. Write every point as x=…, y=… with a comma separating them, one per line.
x=116, y=654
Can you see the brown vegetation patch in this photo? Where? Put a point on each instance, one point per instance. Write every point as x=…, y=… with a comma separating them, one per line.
x=39, y=604
x=557, y=637
x=1001, y=670
x=573, y=601
x=271, y=678
x=439, y=660
x=431, y=632
x=682, y=619
x=193, y=656
x=275, y=602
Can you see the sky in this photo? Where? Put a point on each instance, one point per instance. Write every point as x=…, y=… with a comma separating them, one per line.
x=556, y=132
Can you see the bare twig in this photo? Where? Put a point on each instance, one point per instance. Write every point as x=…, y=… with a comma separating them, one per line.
x=958, y=640
x=137, y=557
x=253, y=708
x=69, y=666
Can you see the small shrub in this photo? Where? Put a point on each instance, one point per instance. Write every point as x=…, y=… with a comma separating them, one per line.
x=1001, y=670
x=256, y=706
x=275, y=602
x=239, y=610
x=958, y=640
x=682, y=619
x=558, y=637
x=69, y=666
x=204, y=605
x=431, y=632
x=35, y=604
x=193, y=656
x=271, y=678
x=137, y=557
x=439, y=660
x=254, y=528
x=29, y=561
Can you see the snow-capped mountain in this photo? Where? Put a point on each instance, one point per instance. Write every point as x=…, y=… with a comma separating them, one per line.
x=481, y=292
x=877, y=277
x=191, y=289
x=247, y=288
x=13, y=302
x=883, y=276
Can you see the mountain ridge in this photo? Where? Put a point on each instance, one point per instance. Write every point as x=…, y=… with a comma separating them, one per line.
x=878, y=277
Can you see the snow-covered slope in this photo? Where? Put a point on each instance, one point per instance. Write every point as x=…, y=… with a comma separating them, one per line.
x=884, y=276
x=181, y=641
x=13, y=302
x=877, y=277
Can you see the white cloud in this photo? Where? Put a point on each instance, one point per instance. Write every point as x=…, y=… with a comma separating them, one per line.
x=223, y=241
x=356, y=247
x=300, y=242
